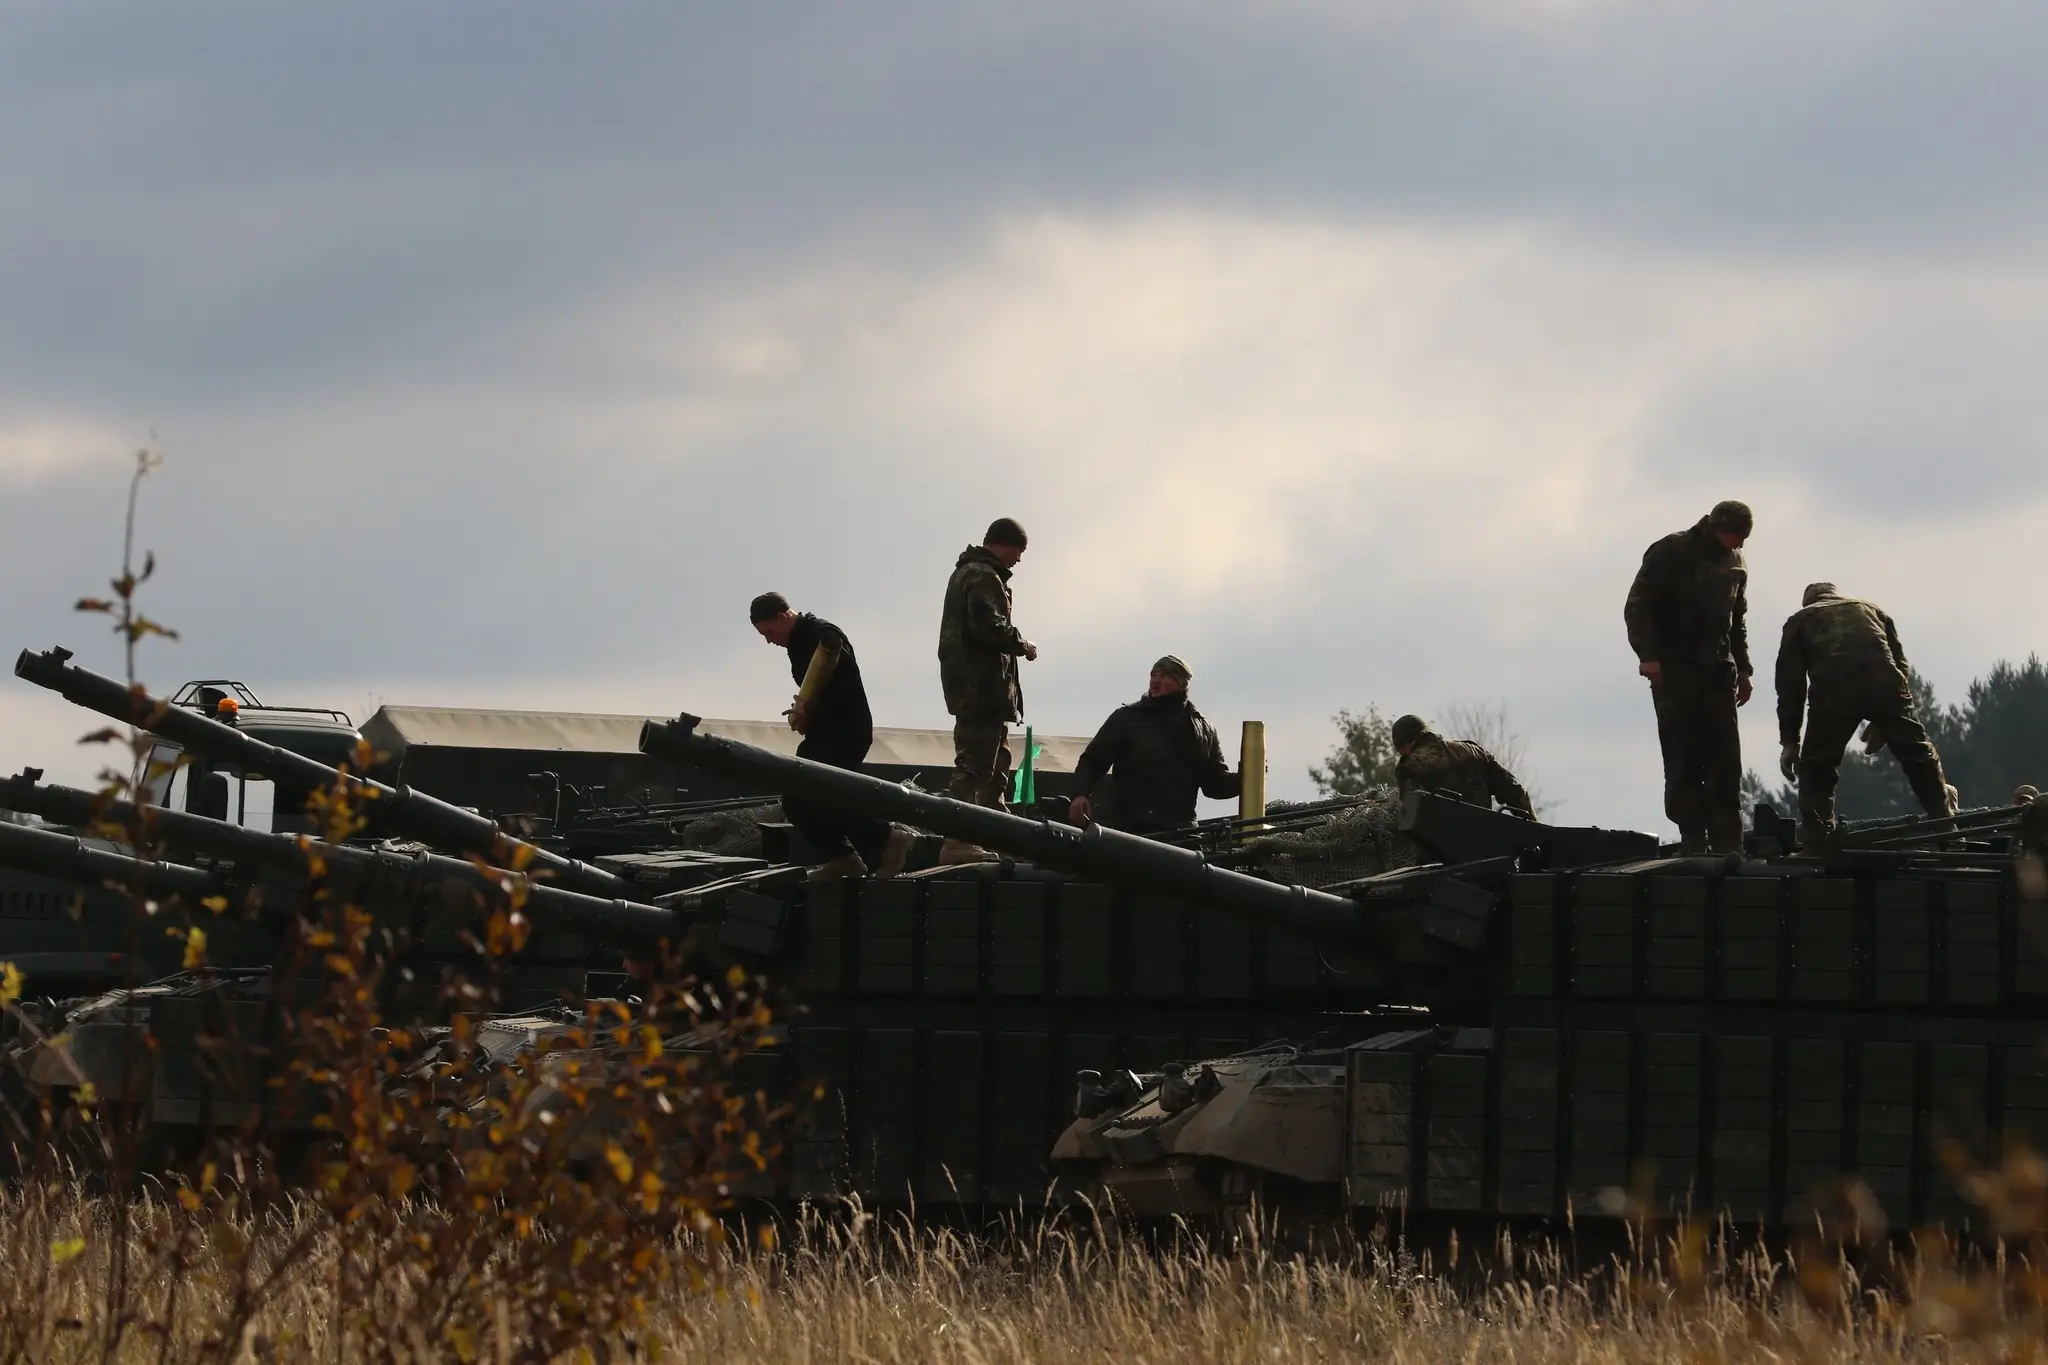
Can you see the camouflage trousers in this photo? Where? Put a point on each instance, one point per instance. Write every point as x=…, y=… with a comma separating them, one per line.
x=981, y=762
x=1829, y=728
x=1702, y=757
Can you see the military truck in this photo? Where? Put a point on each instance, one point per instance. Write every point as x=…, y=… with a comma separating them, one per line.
x=68, y=938
x=553, y=764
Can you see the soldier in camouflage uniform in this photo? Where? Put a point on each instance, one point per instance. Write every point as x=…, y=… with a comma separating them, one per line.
x=1429, y=762
x=979, y=647
x=1841, y=664
x=1687, y=616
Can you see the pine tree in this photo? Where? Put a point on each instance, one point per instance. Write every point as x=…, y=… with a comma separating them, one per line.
x=2004, y=738
x=1364, y=756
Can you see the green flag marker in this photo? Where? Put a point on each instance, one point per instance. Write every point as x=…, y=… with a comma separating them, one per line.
x=1024, y=782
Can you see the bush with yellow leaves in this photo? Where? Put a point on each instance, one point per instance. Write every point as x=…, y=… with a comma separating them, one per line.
x=447, y=1197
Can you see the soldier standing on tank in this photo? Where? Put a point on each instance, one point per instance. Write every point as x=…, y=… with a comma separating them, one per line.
x=830, y=711
x=1429, y=762
x=1687, y=622
x=979, y=646
x=1162, y=751
x=1841, y=664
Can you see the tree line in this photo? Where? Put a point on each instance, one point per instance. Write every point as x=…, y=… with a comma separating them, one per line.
x=1364, y=756
x=1992, y=742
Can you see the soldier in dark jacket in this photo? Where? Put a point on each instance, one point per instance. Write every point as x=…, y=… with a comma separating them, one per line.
x=1429, y=762
x=1162, y=751
x=830, y=711
x=1841, y=664
x=979, y=647
x=1687, y=622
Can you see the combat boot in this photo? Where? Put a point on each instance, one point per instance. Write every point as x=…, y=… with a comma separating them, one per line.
x=1726, y=835
x=954, y=852
x=895, y=852
x=845, y=865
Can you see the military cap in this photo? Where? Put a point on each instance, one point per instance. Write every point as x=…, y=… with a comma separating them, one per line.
x=1167, y=663
x=1407, y=730
x=1732, y=517
x=1815, y=591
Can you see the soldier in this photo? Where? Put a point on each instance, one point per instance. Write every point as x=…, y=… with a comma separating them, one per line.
x=978, y=651
x=1429, y=762
x=1162, y=751
x=1687, y=622
x=1850, y=652
x=830, y=711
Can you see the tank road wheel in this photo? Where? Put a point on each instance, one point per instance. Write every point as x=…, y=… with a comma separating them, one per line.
x=162, y=1148
x=1255, y=1208
x=1240, y=1209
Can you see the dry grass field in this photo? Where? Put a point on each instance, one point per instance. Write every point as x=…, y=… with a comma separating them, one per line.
x=886, y=1294
x=860, y=1289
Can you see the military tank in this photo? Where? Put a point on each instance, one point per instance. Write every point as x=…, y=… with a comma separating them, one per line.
x=425, y=906
x=1527, y=1024
x=1518, y=1021
x=212, y=1030
x=217, y=743
x=1729, y=1040
x=945, y=1009
x=949, y=1011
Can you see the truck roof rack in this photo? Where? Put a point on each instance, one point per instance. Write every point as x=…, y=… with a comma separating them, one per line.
x=193, y=693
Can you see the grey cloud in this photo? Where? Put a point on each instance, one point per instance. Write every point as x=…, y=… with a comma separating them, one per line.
x=1903, y=408
x=227, y=195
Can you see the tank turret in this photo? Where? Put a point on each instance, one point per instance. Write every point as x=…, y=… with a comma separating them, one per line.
x=1092, y=851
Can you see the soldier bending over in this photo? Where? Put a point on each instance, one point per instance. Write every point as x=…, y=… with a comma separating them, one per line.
x=1429, y=762
x=1841, y=664
x=830, y=711
x=1162, y=751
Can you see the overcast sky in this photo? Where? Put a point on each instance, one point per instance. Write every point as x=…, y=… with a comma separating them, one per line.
x=1352, y=351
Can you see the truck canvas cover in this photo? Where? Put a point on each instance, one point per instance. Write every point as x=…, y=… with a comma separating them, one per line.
x=483, y=758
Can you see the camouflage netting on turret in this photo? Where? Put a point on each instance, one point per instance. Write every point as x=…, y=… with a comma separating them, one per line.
x=734, y=833
x=1902, y=823
x=1361, y=840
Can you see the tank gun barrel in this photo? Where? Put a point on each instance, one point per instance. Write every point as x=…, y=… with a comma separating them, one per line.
x=1092, y=851
x=69, y=858
x=630, y=920
x=398, y=808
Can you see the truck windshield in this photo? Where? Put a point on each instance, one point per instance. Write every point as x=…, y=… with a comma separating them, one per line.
x=256, y=803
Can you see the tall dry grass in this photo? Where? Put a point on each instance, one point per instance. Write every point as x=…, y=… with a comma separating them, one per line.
x=881, y=1290
x=858, y=1288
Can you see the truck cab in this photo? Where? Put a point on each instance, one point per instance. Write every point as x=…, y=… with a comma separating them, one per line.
x=68, y=939
x=206, y=786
